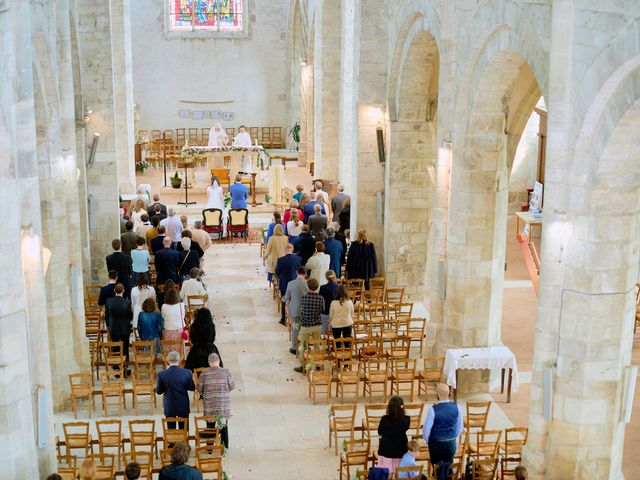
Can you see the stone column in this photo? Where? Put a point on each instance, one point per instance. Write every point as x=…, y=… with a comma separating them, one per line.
x=94, y=25
x=326, y=87
x=24, y=348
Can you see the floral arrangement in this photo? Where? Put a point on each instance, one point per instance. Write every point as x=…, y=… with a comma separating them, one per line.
x=142, y=165
x=227, y=200
x=190, y=151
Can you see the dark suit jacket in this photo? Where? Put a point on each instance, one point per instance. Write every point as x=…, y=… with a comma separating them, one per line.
x=174, y=383
x=118, y=316
x=151, y=212
x=106, y=292
x=333, y=248
x=308, y=210
x=305, y=246
x=167, y=262
x=129, y=240
x=122, y=264
x=188, y=260
x=156, y=243
x=287, y=270
x=317, y=224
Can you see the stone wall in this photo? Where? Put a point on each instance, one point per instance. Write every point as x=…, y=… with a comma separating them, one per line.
x=249, y=72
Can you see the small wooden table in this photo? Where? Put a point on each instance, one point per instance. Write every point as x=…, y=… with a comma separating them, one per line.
x=530, y=219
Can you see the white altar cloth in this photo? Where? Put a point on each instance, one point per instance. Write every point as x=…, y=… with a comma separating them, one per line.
x=491, y=358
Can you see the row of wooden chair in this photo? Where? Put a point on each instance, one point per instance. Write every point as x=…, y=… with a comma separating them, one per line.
x=268, y=137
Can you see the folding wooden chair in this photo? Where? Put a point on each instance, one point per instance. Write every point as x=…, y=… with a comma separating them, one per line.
x=376, y=373
x=403, y=373
x=142, y=433
x=81, y=389
x=171, y=436
x=477, y=415
x=110, y=436
x=342, y=419
x=320, y=375
x=349, y=374
x=356, y=455
x=113, y=387
x=77, y=436
x=143, y=385
x=209, y=461
x=206, y=435
x=416, y=331
x=144, y=355
x=431, y=373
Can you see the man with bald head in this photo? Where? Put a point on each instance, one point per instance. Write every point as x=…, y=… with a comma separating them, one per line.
x=442, y=425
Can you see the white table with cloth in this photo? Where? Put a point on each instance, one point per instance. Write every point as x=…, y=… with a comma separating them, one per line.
x=494, y=359
x=242, y=159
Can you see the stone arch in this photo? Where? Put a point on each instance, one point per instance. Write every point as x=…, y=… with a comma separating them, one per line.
x=414, y=94
x=502, y=89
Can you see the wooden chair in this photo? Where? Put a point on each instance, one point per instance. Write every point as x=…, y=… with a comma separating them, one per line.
x=342, y=419
x=168, y=135
x=394, y=295
x=196, y=377
x=376, y=373
x=515, y=439
x=156, y=134
x=477, y=415
x=371, y=348
x=430, y=374
x=113, y=355
x=276, y=138
x=399, y=349
x=265, y=137
x=320, y=376
x=223, y=174
x=238, y=222
x=378, y=283
x=253, y=133
x=172, y=346
x=508, y=467
x=231, y=132
x=209, y=460
x=195, y=302
x=206, y=435
x=403, y=373
x=181, y=136
x=142, y=458
x=416, y=331
x=81, y=384
x=113, y=387
x=142, y=385
x=342, y=350
x=349, y=374
x=192, y=135
x=165, y=457
x=144, y=355
x=68, y=467
x=142, y=433
x=212, y=221
x=356, y=455
x=373, y=413
x=143, y=135
x=486, y=445
x=110, y=436
x=415, y=412
x=77, y=436
x=484, y=469
x=105, y=465
x=171, y=436
x=204, y=135
x=415, y=473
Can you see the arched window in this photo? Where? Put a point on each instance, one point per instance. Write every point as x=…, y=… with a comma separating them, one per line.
x=206, y=15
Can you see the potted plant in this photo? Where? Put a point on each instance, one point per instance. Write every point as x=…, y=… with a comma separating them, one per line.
x=176, y=181
x=295, y=134
x=141, y=166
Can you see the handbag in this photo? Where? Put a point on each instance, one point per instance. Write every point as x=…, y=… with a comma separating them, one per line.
x=185, y=330
x=182, y=277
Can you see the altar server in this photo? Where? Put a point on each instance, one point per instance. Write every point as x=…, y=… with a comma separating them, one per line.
x=217, y=136
x=243, y=139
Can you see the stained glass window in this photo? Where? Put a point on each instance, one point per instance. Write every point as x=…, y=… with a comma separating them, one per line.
x=211, y=15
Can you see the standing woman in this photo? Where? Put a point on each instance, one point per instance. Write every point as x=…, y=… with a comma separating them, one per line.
x=304, y=199
x=275, y=249
x=341, y=313
x=142, y=291
x=138, y=210
x=294, y=227
x=202, y=335
x=277, y=220
x=345, y=216
x=173, y=317
x=361, y=260
x=393, y=435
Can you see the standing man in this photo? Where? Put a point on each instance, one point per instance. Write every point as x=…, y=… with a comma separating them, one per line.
x=175, y=383
x=129, y=239
x=107, y=291
x=305, y=245
x=286, y=268
x=333, y=248
x=311, y=307
x=214, y=386
x=309, y=208
x=173, y=227
x=152, y=208
x=118, y=316
x=442, y=425
x=144, y=227
x=121, y=263
x=167, y=261
x=152, y=232
x=242, y=139
x=217, y=136
x=320, y=193
x=318, y=223
x=239, y=193
x=337, y=202
x=295, y=290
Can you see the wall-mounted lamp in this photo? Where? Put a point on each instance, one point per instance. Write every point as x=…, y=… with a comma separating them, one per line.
x=629, y=390
x=92, y=149
x=33, y=254
x=431, y=110
x=303, y=62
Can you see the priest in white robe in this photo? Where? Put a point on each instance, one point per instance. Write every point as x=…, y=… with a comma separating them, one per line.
x=242, y=139
x=217, y=136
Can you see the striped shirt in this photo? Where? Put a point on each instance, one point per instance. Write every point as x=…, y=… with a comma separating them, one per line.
x=214, y=386
x=311, y=306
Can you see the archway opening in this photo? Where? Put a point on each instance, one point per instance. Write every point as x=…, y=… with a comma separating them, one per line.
x=409, y=185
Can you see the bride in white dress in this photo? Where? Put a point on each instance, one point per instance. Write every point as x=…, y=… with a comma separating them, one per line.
x=215, y=198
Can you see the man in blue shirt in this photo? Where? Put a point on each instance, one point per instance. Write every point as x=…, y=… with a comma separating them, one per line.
x=238, y=193
x=442, y=425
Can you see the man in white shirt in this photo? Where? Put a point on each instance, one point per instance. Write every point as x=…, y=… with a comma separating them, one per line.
x=318, y=264
x=242, y=139
x=320, y=192
x=173, y=227
x=217, y=136
x=145, y=226
x=199, y=236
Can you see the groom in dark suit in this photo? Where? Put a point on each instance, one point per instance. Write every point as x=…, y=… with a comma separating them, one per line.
x=175, y=383
x=238, y=193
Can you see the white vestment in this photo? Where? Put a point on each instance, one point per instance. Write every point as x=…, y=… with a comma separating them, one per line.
x=217, y=139
x=243, y=139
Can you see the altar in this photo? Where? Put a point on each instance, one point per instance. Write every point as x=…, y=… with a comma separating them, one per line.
x=238, y=159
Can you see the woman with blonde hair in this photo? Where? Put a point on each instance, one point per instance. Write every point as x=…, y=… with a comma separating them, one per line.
x=138, y=210
x=361, y=260
x=294, y=227
x=275, y=249
x=173, y=313
x=87, y=470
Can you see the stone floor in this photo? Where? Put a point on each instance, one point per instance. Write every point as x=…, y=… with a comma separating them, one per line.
x=275, y=431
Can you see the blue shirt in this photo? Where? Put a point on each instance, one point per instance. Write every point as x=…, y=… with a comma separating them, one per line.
x=140, y=260
x=149, y=325
x=408, y=460
x=297, y=196
x=431, y=415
